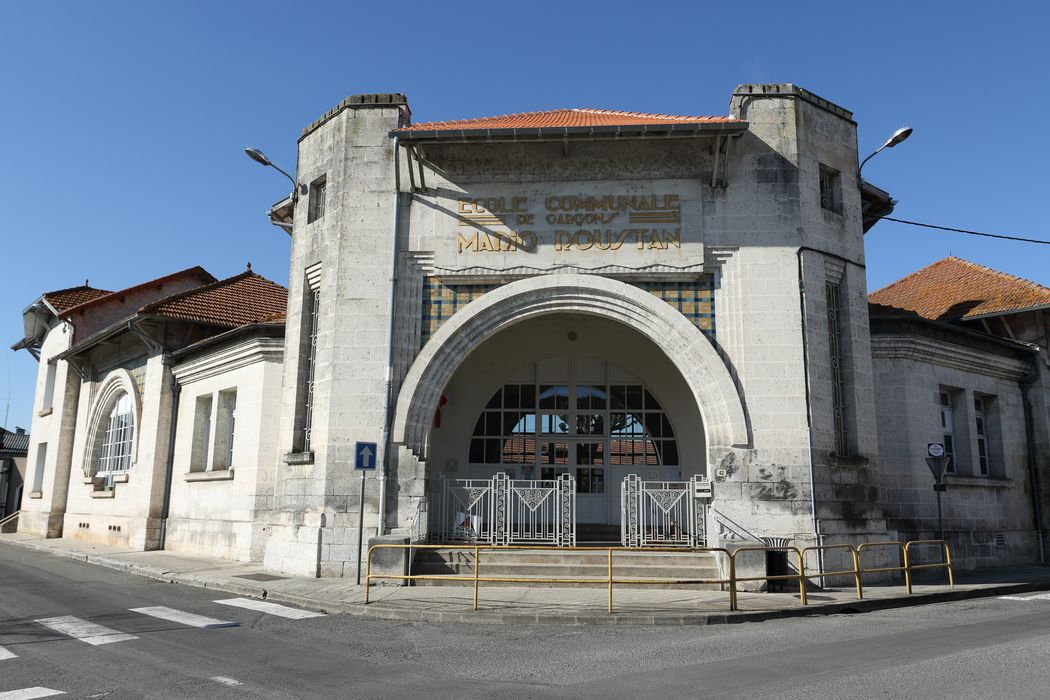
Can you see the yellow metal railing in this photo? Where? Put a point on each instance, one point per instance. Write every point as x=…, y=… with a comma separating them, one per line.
x=946, y=564
x=610, y=580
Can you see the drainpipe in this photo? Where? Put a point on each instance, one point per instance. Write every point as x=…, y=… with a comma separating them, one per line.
x=169, y=465
x=1033, y=473
x=388, y=398
x=809, y=416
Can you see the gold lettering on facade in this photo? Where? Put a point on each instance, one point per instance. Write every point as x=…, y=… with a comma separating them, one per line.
x=494, y=220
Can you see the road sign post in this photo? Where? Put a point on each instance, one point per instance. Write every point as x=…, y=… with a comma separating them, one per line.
x=937, y=461
x=364, y=461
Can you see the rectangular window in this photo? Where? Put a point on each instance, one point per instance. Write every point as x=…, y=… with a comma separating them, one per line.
x=948, y=430
x=38, y=471
x=201, y=434
x=981, y=425
x=49, y=387
x=838, y=389
x=318, y=190
x=225, y=423
x=830, y=189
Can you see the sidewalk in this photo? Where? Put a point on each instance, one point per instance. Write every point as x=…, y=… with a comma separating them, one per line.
x=528, y=605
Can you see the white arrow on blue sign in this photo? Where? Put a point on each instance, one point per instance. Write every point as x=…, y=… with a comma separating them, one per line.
x=365, y=455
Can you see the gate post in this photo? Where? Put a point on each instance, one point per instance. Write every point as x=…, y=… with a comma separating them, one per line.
x=566, y=495
x=500, y=508
x=629, y=510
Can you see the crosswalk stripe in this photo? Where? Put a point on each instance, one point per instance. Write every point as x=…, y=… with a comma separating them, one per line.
x=84, y=631
x=1041, y=596
x=271, y=608
x=183, y=618
x=30, y=693
x=5, y=654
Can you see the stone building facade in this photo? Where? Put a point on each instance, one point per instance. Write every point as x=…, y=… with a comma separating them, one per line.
x=584, y=292
x=691, y=255
x=960, y=358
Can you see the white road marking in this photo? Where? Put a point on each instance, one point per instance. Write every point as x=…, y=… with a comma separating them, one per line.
x=30, y=693
x=5, y=654
x=84, y=631
x=1040, y=596
x=225, y=680
x=271, y=608
x=183, y=618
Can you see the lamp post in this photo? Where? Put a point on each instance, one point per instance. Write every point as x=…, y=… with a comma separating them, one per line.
x=260, y=158
x=899, y=135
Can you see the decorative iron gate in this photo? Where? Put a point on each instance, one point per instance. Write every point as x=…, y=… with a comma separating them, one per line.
x=506, y=511
x=662, y=513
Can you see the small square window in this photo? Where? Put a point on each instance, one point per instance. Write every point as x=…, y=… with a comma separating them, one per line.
x=318, y=190
x=830, y=189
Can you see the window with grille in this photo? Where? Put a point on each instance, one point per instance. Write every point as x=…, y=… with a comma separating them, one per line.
x=830, y=189
x=302, y=439
x=115, y=452
x=838, y=388
x=318, y=193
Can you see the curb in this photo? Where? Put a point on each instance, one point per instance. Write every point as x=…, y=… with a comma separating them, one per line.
x=378, y=611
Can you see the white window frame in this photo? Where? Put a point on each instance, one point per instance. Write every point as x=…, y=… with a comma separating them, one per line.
x=117, y=441
x=946, y=403
x=980, y=421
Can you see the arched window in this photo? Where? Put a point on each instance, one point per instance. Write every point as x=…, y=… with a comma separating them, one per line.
x=565, y=424
x=115, y=448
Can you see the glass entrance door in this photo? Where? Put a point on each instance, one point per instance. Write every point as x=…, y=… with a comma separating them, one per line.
x=597, y=431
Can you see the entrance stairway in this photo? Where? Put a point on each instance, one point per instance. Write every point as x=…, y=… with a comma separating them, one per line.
x=553, y=563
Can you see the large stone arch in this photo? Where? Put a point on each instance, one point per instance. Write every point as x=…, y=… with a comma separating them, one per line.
x=700, y=365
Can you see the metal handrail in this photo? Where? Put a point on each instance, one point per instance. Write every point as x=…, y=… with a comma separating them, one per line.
x=476, y=578
x=610, y=580
x=8, y=518
x=879, y=569
x=800, y=576
x=946, y=564
x=855, y=571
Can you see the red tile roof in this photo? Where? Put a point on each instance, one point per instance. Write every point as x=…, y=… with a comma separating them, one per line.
x=64, y=299
x=953, y=288
x=234, y=301
x=196, y=272
x=558, y=118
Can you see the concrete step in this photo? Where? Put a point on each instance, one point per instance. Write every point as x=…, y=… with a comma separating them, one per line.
x=570, y=557
x=629, y=568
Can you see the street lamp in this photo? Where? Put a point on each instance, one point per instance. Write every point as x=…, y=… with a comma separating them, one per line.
x=260, y=158
x=899, y=135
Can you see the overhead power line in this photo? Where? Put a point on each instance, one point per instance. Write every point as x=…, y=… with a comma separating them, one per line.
x=962, y=230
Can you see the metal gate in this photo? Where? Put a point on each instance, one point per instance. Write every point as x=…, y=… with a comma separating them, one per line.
x=662, y=513
x=504, y=511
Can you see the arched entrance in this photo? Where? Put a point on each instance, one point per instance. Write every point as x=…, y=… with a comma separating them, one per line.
x=450, y=374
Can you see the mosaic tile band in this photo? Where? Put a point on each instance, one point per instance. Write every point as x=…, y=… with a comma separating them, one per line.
x=694, y=299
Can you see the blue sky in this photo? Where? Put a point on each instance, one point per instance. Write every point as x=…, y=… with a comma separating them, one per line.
x=122, y=124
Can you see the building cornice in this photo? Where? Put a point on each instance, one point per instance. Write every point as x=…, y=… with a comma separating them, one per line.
x=920, y=349
x=229, y=357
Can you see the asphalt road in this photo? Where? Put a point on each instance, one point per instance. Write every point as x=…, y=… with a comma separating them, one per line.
x=989, y=648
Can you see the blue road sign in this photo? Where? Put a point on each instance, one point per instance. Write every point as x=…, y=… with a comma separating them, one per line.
x=365, y=455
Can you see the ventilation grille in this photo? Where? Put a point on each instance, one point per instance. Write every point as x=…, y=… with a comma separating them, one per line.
x=1000, y=539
